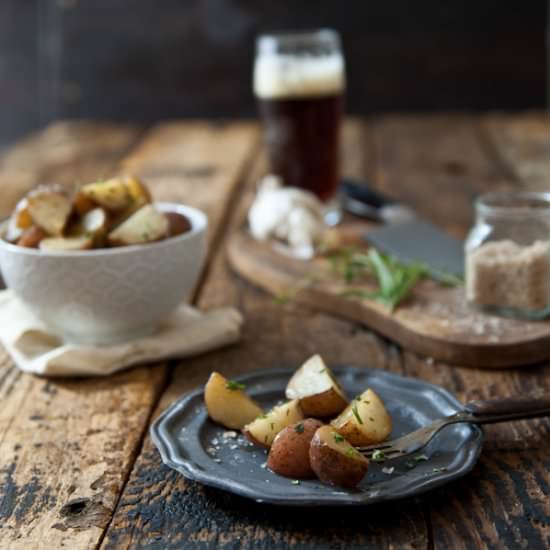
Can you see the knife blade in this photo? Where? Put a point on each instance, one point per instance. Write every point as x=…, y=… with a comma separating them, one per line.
x=403, y=234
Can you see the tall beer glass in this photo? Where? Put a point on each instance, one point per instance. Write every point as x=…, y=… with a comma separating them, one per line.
x=299, y=81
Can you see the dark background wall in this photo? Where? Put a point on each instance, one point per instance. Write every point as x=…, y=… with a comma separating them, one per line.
x=151, y=59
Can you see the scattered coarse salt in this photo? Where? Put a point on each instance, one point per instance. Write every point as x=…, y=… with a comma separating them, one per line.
x=218, y=460
x=388, y=471
x=230, y=434
x=264, y=465
x=233, y=447
x=215, y=441
x=211, y=451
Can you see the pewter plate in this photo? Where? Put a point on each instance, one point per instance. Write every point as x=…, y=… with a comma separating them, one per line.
x=197, y=447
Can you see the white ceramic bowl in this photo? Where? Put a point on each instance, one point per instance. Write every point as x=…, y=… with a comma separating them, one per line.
x=108, y=295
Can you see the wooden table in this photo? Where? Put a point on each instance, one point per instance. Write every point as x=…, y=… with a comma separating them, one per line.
x=77, y=467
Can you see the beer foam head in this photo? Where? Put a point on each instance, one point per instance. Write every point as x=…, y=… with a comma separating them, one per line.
x=279, y=76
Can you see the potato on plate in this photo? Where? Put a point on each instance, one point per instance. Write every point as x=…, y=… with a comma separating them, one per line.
x=289, y=453
x=32, y=237
x=66, y=244
x=144, y=226
x=334, y=460
x=49, y=208
x=227, y=403
x=365, y=421
x=317, y=389
x=116, y=194
x=263, y=429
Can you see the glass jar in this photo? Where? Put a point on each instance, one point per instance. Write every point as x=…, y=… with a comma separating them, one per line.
x=508, y=255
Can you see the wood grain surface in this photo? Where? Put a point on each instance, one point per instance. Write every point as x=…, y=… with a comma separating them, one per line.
x=77, y=468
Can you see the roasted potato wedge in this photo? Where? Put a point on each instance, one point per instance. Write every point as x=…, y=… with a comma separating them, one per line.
x=365, y=420
x=263, y=430
x=32, y=237
x=93, y=225
x=227, y=403
x=126, y=194
x=49, y=208
x=334, y=460
x=144, y=226
x=59, y=244
x=82, y=204
x=316, y=387
x=21, y=216
x=177, y=224
x=289, y=453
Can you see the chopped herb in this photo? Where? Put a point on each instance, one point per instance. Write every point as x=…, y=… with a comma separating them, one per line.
x=272, y=426
x=421, y=458
x=265, y=438
x=145, y=236
x=322, y=371
x=356, y=413
x=351, y=452
x=378, y=455
x=371, y=418
x=261, y=416
x=287, y=411
x=299, y=428
x=388, y=471
x=232, y=385
x=365, y=401
x=338, y=438
x=295, y=482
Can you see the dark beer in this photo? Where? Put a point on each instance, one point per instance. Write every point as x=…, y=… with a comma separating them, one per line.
x=302, y=139
x=299, y=83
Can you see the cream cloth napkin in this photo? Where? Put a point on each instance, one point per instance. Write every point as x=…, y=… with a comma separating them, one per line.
x=186, y=333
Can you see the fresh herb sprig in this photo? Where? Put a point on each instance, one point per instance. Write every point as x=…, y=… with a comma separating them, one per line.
x=395, y=279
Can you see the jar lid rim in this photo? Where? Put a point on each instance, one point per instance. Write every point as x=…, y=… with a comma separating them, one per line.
x=514, y=203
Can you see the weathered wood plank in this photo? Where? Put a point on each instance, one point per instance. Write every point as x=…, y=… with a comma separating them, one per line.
x=523, y=144
x=66, y=447
x=160, y=508
x=505, y=502
x=436, y=163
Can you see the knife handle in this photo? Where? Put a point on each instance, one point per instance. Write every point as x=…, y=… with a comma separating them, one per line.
x=360, y=191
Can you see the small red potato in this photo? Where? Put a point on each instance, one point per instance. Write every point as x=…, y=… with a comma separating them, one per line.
x=334, y=460
x=32, y=237
x=289, y=453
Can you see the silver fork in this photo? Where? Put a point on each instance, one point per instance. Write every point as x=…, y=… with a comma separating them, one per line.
x=474, y=412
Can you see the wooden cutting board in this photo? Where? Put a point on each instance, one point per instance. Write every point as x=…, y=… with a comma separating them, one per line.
x=435, y=321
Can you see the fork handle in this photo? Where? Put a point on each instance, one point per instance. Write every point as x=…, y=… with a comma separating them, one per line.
x=511, y=408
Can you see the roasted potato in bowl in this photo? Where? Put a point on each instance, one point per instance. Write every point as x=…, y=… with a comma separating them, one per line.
x=116, y=212
x=317, y=389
